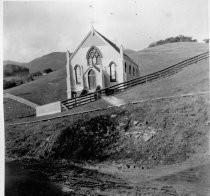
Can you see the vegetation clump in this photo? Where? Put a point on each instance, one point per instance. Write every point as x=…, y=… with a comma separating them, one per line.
x=180, y=38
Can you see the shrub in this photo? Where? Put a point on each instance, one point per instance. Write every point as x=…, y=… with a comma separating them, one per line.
x=46, y=71
x=14, y=70
x=12, y=83
x=87, y=139
x=97, y=94
x=109, y=91
x=180, y=38
x=36, y=74
x=29, y=78
x=84, y=91
x=206, y=41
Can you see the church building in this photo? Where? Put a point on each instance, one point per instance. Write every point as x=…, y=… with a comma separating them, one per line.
x=97, y=63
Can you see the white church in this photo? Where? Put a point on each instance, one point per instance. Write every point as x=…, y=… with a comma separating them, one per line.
x=97, y=63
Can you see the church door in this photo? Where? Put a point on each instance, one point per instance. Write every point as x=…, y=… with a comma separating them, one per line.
x=92, y=79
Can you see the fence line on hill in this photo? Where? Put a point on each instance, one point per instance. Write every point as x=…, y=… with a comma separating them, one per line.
x=94, y=110
x=21, y=100
x=171, y=70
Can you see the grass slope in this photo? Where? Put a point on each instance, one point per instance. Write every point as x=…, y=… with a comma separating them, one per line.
x=55, y=61
x=14, y=110
x=46, y=89
x=180, y=126
x=159, y=57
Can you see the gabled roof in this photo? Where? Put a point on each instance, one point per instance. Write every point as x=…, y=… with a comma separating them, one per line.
x=116, y=48
x=107, y=40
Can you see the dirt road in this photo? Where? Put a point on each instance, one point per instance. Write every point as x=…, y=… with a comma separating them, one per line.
x=39, y=177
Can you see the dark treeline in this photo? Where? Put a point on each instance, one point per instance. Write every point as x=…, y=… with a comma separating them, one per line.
x=180, y=38
x=15, y=70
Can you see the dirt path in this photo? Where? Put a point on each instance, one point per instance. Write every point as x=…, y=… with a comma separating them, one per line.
x=34, y=177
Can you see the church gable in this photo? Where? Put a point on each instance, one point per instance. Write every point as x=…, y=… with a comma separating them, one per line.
x=94, y=38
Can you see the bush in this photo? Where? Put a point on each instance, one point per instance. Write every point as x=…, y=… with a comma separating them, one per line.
x=46, y=71
x=84, y=91
x=14, y=70
x=12, y=83
x=29, y=78
x=97, y=94
x=206, y=41
x=87, y=139
x=109, y=91
x=180, y=38
x=36, y=74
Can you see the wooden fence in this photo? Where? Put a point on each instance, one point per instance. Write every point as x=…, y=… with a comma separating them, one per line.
x=90, y=97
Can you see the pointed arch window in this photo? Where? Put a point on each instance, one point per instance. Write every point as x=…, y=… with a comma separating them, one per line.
x=129, y=69
x=78, y=74
x=125, y=67
x=113, y=73
x=93, y=56
x=133, y=71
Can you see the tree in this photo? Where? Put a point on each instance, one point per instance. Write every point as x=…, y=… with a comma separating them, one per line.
x=48, y=70
x=37, y=74
x=179, y=38
x=206, y=40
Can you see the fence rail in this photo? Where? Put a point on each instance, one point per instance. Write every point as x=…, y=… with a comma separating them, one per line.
x=171, y=70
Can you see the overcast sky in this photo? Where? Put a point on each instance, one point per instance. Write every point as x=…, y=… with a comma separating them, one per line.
x=33, y=29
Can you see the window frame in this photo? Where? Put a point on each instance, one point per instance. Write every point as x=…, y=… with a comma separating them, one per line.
x=130, y=69
x=78, y=72
x=113, y=78
x=93, y=53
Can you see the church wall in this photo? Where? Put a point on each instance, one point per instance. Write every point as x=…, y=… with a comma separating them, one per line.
x=109, y=54
x=129, y=75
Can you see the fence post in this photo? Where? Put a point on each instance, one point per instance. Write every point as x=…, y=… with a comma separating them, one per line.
x=75, y=101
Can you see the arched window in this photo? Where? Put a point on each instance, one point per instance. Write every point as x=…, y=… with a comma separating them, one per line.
x=125, y=67
x=93, y=56
x=78, y=74
x=133, y=71
x=112, y=72
x=129, y=69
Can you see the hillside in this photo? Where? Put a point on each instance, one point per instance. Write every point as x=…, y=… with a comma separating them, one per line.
x=53, y=86
x=5, y=62
x=55, y=61
x=160, y=57
x=48, y=88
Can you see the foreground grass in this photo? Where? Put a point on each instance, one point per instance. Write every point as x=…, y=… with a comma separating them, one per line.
x=180, y=127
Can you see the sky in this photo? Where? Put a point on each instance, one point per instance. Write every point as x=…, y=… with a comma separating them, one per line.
x=34, y=28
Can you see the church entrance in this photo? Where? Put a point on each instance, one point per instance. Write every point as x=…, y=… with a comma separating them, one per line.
x=92, y=79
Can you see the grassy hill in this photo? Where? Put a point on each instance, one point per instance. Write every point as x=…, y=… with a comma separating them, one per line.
x=46, y=89
x=160, y=57
x=55, y=61
x=5, y=62
x=53, y=86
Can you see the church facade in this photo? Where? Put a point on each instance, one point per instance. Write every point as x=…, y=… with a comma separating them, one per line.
x=97, y=63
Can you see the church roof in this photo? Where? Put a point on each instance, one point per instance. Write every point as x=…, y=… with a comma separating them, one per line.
x=108, y=41
x=116, y=48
